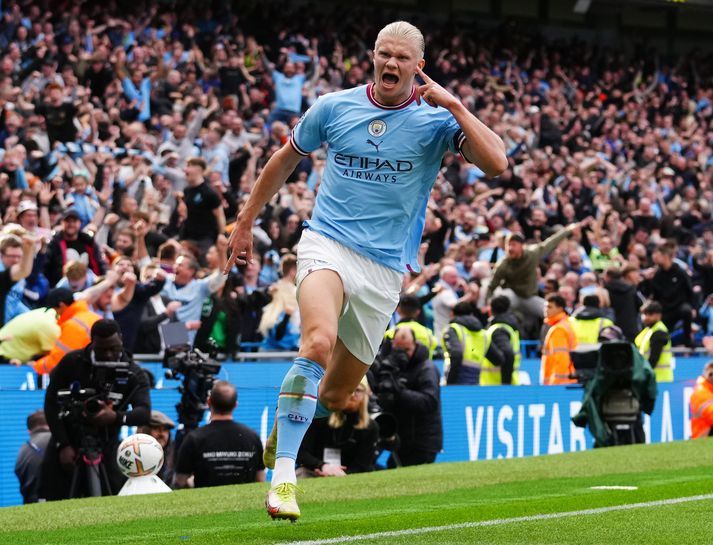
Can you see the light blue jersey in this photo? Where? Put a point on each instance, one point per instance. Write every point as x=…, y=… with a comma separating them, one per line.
x=381, y=164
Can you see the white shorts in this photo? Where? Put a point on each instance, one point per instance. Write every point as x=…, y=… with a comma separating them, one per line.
x=371, y=291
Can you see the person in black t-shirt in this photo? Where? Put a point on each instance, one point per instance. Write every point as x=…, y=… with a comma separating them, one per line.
x=59, y=115
x=223, y=452
x=205, y=218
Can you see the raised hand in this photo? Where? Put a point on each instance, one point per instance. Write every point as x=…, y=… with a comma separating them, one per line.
x=240, y=244
x=432, y=93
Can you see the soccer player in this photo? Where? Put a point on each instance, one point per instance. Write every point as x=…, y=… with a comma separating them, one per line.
x=386, y=141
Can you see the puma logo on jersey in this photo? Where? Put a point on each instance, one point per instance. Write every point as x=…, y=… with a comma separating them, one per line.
x=374, y=144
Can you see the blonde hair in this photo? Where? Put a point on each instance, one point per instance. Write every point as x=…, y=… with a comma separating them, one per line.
x=284, y=296
x=337, y=419
x=402, y=29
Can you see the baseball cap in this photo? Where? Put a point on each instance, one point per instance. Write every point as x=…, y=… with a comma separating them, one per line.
x=24, y=206
x=70, y=213
x=160, y=419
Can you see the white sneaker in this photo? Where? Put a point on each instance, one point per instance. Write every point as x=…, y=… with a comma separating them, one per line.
x=281, y=502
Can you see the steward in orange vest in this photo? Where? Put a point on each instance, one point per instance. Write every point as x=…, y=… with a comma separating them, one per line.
x=702, y=404
x=559, y=342
x=75, y=322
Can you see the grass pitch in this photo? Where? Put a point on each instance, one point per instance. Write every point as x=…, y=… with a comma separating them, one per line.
x=416, y=499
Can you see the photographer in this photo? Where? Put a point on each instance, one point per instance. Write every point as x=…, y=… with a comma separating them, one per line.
x=78, y=421
x=406, y=384
x=344, y=443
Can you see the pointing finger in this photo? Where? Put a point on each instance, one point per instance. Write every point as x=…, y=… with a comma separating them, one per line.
x=423, y=75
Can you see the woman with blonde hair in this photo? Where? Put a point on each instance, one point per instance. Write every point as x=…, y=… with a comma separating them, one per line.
x=280, y=322
x=343, y=443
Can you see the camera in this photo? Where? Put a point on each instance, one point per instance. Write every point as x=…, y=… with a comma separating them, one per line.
x=106, y=377
x=197, y=370
x=107, y=380
x=387, y=377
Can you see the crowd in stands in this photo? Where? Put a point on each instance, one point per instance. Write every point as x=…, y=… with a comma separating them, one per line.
x=131, y=134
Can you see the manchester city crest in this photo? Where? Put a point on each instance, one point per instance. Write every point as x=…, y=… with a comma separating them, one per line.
x=377, y=127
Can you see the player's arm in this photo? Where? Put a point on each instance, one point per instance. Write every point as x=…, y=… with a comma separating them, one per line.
x=482, y=146
x=275, y=173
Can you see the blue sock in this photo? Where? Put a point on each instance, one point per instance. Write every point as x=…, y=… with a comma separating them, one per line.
x=298, y=405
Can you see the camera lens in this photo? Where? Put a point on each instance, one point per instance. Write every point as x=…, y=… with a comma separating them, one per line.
x=92, y=406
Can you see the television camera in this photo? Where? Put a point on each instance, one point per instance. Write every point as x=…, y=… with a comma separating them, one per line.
x=75, y=405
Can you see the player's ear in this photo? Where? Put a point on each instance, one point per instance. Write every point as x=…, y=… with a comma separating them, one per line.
x=422, y=63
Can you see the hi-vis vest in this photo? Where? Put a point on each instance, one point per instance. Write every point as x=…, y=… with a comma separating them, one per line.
x=423, y=335
x=702, y=409
x=601, y=262
x=587, y=331
x=556, y=366
x=490, y=373
x=667, y=363
x=475, y=345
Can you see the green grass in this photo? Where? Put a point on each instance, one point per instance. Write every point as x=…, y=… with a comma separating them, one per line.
x=409, y=498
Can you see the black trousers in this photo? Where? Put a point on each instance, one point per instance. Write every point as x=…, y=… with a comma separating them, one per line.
x=55, y=482
x=684, y=313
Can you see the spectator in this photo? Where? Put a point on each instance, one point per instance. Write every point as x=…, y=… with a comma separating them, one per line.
x=77, y=277
x=190, y=291
x=71, y=244
x=16, y=256
x=205, y=219
x=447, y=297
x=224, y=315
x=155, y=312
x=129, y=317
x=28, y=465
x=59, y=114
x=670, y=285
x=29, y=336
x=605, y=255
x=516, y=275
x=280, y=322
x=159, y=427
x=625, y=301
x=222, y=452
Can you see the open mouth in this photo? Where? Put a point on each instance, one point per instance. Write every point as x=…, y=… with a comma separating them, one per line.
x=390, y=79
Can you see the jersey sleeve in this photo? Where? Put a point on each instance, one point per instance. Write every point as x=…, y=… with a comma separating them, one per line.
x=310, y=131
x=453, y=136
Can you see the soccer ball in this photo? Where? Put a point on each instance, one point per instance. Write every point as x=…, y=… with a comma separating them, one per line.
x=139, y=455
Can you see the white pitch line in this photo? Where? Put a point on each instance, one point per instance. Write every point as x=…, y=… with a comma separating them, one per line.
x=498, y=522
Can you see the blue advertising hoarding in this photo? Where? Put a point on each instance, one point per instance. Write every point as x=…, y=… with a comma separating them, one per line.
x=479, y=423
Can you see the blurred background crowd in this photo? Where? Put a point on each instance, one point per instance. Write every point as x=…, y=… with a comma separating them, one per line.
x=132, y=133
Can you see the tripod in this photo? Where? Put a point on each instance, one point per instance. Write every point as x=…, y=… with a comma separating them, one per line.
x=90, y=477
